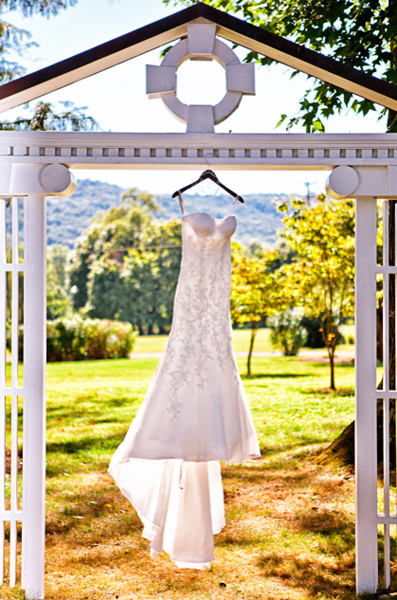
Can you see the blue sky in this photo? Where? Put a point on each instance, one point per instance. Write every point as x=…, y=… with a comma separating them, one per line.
x=117, y=99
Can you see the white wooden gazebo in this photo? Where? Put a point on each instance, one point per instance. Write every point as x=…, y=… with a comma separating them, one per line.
x=34, y=165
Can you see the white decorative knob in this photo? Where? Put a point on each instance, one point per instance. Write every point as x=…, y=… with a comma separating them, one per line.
x=342, y=182
x=57, y=180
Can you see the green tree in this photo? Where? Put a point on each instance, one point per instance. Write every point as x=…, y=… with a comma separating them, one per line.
x=46, y=117
x=58, y=301
x=253, y=294
x=16, y=41
x=141, y=288
x=80, y=266
x=127, y=265
x=321, y=277
x=111, y=234
x=154, y=274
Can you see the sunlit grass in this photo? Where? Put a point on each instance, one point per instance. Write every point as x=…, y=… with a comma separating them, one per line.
x=290, y=523
x=241, y=340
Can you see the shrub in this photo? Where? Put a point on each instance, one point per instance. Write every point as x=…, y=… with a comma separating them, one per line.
x=109, y=339
x=83, y=339
x=66, y=340
x=313, y=326
x=287, y=332
x=88, y=339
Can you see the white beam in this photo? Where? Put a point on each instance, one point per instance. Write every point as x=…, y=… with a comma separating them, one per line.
x=18, y=179
x=224, y=151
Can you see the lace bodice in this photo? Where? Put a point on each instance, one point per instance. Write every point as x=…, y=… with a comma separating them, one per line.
x=204, y=281
x=201, y=332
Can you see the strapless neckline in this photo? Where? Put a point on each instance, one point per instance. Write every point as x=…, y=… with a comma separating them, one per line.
x=206, y=226
x=208, y=215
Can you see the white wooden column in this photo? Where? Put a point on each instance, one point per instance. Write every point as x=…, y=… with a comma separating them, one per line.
x=34, y=182
x=365, y=367
x=35, y=240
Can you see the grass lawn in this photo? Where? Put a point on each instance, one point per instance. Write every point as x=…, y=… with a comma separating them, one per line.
x=290, y=523
x=241, y=340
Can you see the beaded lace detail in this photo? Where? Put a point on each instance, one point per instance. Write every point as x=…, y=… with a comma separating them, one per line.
x=201, y=330
x=195, y=408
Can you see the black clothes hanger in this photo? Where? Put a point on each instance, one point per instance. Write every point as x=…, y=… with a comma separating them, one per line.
x=208, y=175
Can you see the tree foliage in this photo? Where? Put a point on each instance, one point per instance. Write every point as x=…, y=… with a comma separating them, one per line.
x=15, y=41
x=58, y=301
x=359, y=33
x=253, y=294
x=321, y=277
x=46, y=117
x=127, y=265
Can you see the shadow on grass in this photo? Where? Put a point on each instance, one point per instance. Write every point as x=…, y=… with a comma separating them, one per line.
x=81, y=411
x=344, y=392
x=87, y=520
x=277, y=376
x=326, y=567
x=102, y=522
x=90, y=449
x=315, y=577
x=87, y=443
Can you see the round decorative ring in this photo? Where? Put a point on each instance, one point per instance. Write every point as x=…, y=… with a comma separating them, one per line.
x=201, y=44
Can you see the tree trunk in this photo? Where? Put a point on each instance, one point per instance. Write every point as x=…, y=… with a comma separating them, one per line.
x=254, y=329
x=379, y=338
x=341, y=451
x=330, y=337
x=332, y=369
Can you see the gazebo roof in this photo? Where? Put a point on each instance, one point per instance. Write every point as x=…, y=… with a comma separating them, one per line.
x=171, y=28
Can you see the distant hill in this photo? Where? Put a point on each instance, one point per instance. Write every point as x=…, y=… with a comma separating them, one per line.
x=257, y=218
x=68, y=218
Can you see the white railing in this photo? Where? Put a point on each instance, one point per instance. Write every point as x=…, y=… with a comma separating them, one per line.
x=387, y=395
x=9, y=509
x=376, y=504
x=22, y=497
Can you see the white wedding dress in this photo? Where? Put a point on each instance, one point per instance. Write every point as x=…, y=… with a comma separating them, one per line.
x=195, y=412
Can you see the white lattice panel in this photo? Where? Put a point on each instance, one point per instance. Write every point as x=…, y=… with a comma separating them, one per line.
x=11, y=266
